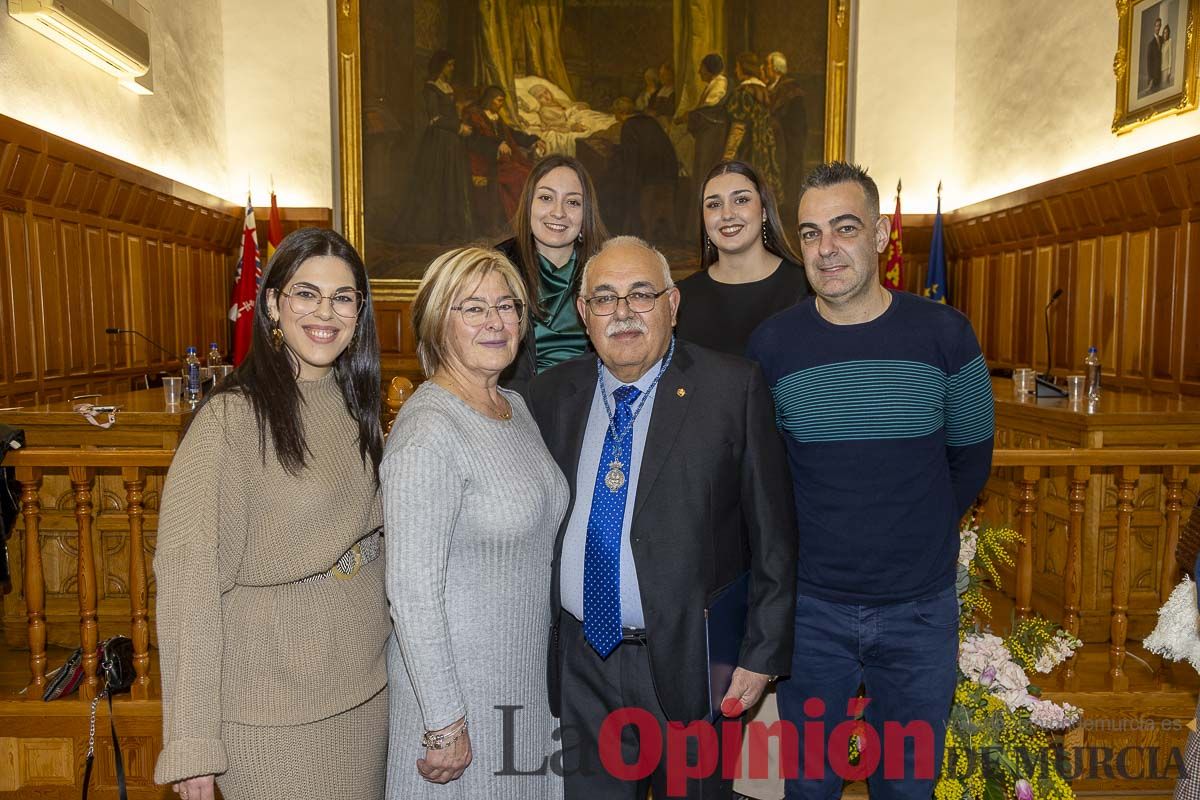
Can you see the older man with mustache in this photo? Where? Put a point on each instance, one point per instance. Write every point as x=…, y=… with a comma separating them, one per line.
x=679, y=488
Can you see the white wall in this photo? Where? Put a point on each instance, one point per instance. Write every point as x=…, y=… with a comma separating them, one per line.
x=1033, y=96
x=241, y=90
x=277, y=115
x=178, y=132
x=904, y=99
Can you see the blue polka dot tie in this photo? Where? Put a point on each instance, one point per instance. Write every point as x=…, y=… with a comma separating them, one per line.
x=602, y=553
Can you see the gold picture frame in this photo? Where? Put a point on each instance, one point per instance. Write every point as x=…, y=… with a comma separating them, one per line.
x=1155, y=69
x=349, y=177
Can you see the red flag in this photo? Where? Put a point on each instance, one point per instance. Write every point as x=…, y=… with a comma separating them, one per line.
x=274, y=229
x=893, y=271
x=245, y=288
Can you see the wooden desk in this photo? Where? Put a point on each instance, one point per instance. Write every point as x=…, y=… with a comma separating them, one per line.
x=144, y=421
x=1121, y=418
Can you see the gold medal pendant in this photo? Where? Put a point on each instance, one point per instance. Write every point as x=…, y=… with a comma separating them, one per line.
x=615, y=478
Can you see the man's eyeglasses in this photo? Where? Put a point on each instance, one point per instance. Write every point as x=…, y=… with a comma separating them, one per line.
x=344, y=302
x=475, y=313
x=639, y=301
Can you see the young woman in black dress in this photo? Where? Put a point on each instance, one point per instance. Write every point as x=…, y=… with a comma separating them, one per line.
x=747, y=269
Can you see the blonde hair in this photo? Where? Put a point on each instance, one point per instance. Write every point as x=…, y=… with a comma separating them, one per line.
x=445, y=277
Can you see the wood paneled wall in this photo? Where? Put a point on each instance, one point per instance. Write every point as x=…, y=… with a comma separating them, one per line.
x=88, y=242
x=1121, y=240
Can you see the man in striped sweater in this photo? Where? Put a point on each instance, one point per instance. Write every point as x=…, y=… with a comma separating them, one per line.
x=886, y=405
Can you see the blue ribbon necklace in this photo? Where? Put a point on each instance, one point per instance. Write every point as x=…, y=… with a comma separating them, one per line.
x=615, y=478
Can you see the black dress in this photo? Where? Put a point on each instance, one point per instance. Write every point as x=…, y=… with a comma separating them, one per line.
x=721, y=316
x=439, y=207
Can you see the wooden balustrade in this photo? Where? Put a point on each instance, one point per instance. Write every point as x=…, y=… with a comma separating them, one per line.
x=1125, y=466
x=31, y=465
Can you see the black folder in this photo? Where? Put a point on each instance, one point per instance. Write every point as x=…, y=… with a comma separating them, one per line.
x=725, y=628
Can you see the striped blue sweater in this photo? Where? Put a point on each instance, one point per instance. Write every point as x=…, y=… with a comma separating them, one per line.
x=889, y=429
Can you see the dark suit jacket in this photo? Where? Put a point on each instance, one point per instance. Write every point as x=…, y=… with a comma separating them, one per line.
x=714, y=499
x=1154, y=61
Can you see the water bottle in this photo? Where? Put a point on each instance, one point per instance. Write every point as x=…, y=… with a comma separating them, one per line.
x=214, y=356
x=191, y=377
x=1091, y=370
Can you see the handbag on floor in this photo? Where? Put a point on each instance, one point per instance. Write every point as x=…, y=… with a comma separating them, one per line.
x=115, y=669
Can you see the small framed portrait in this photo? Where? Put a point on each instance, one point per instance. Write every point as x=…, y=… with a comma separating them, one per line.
x=1156, y=60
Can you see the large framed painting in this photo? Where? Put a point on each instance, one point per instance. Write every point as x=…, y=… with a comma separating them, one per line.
x=1156, y=60
x=444, y=105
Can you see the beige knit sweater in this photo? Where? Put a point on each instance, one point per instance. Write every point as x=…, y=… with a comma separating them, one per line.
x=237, y=643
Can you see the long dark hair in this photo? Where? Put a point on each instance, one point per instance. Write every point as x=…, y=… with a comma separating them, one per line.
x=267, y=377
x=775, y=241
x=592, y=230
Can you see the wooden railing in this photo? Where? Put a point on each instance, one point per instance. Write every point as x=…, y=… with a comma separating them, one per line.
x=1027, y=468
x=1125, y=466
x=82, y=466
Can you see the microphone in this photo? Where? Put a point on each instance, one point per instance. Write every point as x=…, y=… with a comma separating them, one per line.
x=115, y=331
x=1045, y=386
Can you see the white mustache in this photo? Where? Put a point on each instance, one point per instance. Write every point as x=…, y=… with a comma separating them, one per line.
x=626, y=325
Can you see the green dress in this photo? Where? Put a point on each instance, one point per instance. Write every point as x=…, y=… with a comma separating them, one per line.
x=559, y=335
x=751, y=106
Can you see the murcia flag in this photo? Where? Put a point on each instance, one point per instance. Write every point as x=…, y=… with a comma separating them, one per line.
x=245, y=288
x=893, y=270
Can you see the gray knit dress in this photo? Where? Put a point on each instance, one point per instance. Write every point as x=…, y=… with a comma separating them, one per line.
x=471, y=507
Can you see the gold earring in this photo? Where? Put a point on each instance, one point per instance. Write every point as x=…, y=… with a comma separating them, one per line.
x=277, y=337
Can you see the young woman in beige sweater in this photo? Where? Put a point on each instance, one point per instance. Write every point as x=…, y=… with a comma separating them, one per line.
x=272, y=618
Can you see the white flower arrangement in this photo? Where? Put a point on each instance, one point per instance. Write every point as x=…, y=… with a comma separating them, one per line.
x=1176, y=637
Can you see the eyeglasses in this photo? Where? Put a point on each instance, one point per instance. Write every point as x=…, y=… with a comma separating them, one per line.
x=476, y=313
x=345, y=303
x=640, y=301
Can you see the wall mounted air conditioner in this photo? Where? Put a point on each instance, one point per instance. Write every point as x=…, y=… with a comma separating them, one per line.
x=92, y=29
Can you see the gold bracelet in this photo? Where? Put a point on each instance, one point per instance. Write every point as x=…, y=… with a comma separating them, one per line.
x=443, y=741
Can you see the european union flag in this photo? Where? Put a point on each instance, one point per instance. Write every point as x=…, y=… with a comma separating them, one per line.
x=935, y=277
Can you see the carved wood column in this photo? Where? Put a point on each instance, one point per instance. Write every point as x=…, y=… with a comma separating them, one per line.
x=1076, y=503
x=81, y=482
x=1126, y=484
x=1027, y=505
x=135, y=483
x=1173, y=480
x=30, y=479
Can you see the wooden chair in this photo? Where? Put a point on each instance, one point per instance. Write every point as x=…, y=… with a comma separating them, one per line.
x=399, y=390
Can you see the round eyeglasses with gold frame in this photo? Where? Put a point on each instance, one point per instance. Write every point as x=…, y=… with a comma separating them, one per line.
x=346, y=303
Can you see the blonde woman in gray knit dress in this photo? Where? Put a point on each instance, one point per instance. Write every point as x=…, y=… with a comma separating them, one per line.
x=472, y=502
x=272, y=619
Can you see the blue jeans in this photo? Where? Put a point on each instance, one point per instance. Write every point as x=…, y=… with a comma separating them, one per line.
x=905, y=654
